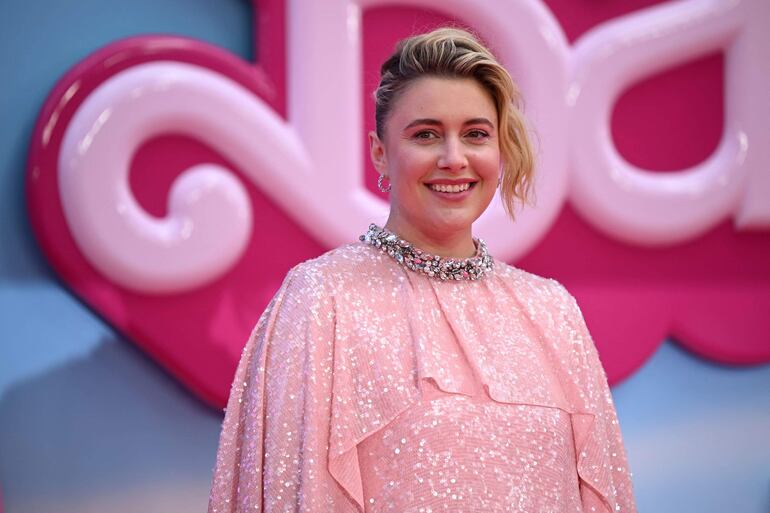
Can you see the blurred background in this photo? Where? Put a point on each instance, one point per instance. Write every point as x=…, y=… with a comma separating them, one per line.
x=95, y=413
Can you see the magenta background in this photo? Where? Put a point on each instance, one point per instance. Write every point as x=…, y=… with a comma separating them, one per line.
x=711, y=294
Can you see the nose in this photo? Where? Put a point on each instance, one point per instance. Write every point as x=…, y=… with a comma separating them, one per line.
x=452, y=157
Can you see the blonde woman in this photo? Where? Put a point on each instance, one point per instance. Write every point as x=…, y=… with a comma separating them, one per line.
x=411, y=371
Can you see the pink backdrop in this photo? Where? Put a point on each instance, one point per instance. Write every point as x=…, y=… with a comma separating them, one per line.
x=710, y=293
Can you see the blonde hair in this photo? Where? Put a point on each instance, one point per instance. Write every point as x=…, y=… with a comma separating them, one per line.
x=456, y=53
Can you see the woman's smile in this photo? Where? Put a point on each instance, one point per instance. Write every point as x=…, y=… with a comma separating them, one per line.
x=452, y=192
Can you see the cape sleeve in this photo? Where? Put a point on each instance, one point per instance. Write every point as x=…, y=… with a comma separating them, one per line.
x=273, y=446
x=602, y=462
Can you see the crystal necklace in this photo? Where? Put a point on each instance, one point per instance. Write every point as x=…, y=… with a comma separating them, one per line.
x=443, y=268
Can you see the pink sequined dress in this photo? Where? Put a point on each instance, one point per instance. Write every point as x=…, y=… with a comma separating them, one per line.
x=368, y=387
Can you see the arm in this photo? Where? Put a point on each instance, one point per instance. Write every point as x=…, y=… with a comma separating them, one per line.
x=603, y=464
x=273, y=447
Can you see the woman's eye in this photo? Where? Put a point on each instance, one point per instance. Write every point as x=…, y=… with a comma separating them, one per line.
x=424, y=135
x=477, y=134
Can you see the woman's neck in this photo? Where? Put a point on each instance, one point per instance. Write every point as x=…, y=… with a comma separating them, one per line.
x=456, y=244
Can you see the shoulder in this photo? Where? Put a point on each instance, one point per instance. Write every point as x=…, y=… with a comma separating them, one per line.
x=309, y=288
x=339, y=272
x=336, y=261
x=342, y=267
x=315, y=289
x=533, y=284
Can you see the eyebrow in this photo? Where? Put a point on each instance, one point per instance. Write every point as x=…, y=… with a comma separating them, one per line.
x=435, y=122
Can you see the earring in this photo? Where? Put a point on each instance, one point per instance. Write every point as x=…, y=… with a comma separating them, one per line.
x=499, y=181
x=380, y=186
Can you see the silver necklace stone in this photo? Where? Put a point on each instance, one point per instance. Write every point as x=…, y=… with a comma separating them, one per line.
x=435, y=266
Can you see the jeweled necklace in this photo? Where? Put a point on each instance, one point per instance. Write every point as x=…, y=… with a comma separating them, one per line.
x=435, y=266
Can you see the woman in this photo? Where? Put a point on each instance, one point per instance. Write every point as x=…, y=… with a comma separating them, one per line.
x=411, y=371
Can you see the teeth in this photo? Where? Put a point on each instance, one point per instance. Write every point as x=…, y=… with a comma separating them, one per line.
x=450, y=188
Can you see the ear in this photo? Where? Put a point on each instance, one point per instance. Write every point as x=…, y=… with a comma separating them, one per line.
x=377, y=153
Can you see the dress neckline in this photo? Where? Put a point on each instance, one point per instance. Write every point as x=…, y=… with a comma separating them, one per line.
x=433, y=266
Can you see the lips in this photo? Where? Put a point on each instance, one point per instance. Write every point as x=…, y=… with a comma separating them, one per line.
x=450, y=188
x=451, y=192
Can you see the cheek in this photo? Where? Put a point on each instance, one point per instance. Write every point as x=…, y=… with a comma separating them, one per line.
x=487, y=165
x=411, y=165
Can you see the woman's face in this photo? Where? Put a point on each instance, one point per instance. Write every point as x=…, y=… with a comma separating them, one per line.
x=441, y=153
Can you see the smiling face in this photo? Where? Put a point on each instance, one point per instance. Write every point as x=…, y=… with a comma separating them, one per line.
x=441, y=153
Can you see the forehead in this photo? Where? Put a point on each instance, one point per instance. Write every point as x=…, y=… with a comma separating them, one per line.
x=444, y=99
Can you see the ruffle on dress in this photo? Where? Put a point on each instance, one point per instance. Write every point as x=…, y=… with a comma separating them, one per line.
x=341, y=352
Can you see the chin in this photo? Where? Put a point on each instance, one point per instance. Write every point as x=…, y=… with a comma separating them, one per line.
x=445, y=224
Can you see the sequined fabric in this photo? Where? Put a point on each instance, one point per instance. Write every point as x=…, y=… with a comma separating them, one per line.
x=355, y=353
x=453, y=452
